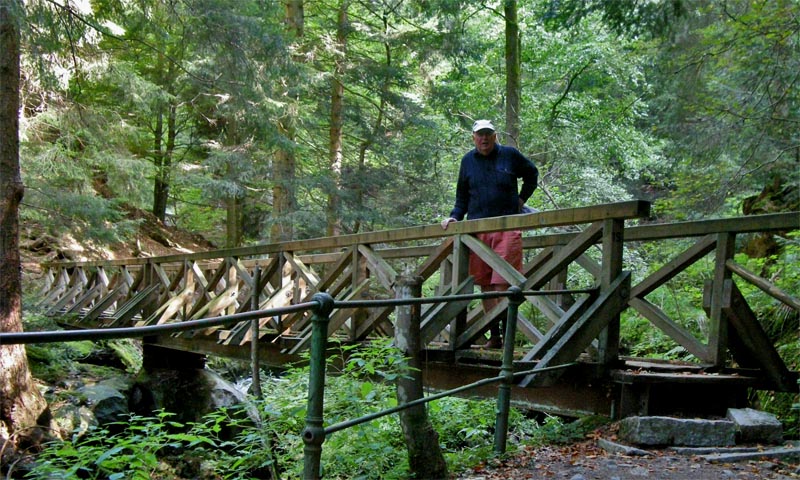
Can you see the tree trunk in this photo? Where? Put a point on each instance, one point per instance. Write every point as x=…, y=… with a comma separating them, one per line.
x=512, y=73
x=366, y=144
x=333, y=219
x=285, y=164
x=425, y=458
x=21, y=404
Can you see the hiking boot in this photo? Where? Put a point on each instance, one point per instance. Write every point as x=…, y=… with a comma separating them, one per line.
x=494, y=342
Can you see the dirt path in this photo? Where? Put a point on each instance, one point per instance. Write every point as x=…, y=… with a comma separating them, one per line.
x=586, y=461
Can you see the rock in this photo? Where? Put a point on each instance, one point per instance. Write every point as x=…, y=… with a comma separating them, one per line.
x=613, y=447
x=755, y=426
x=188, y=393
x=789, y=454
x=72, y=420
x=677, y=431
x=107, y=404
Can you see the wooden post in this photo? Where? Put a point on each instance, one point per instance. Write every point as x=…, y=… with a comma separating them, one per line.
x=559, y=282
x=718, y=328
x=460, y=272
x=425, y=458
x=608, y=351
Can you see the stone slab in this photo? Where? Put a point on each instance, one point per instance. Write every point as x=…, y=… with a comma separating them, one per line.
x=755, y=426
x=666, y=431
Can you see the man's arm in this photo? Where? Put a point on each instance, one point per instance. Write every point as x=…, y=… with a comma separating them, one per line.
x=530, y=178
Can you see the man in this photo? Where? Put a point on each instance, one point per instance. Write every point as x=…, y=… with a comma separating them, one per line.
x=487, y=187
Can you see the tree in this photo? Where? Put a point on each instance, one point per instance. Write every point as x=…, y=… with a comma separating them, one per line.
x=333, y=220
x=21, y=404
x=728, y=104
x=513, y=85
x=284, y=201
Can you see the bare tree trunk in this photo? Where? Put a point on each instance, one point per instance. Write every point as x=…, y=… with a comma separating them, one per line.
x=21, y=404
x=333, y=219
x=284, y=203
x=425, y=458
x=512, y=73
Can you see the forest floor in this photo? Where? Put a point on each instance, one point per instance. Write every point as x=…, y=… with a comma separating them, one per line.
x=585, y=460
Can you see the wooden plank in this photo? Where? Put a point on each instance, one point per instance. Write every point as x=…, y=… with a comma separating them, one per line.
x=495, y=261
x=755, y=339
x=103, y=304
x=611, y=268
x=478, y=324
x=553, y=335
x=53, y=295
x=434, y=259
x=335, y=280
x=242, y=272
x=86, y=298
x=134, y=305
x=547, y=307
x=700, y=249
x=378, y=316
x=241, y=333
x=677, y=333
x=336, y=321
x=200, y=277
x=385, y=273
x=565, y=256
x=302, y=270
x=526, y=328
x=580, y=334
x=65, y=300
x=170, y=308
x=101, y=276
x=180, y=276
x=763, y=285
x=718, y=327
x=439, y=315
x=163, y=277
x=773, y=222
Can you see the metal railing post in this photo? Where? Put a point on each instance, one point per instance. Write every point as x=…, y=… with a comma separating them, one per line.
x=254, y=331
x=314, y=433
x=507, y=371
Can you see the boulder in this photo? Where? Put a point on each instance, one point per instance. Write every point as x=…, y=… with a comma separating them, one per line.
x=106, y=403
x=188, y=393
x=72, y=420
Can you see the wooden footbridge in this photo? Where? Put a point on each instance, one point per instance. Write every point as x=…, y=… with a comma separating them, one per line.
x=577, y=280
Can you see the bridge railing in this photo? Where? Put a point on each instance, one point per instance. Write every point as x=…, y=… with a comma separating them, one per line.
x=560, y=246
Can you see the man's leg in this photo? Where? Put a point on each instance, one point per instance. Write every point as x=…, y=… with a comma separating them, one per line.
x=495, y=330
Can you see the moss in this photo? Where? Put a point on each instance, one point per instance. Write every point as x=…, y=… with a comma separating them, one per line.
x=129, y=352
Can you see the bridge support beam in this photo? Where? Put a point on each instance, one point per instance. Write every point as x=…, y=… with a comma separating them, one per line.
x=158, y=357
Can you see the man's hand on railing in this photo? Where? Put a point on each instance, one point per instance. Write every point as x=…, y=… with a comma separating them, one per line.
x=447, y=221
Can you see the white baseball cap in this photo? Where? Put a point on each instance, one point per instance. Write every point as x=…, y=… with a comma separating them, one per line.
x=482, y=125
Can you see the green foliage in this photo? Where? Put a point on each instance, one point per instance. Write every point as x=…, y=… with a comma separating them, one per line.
x=53, y=362
x=264, y=435
x=556, y=431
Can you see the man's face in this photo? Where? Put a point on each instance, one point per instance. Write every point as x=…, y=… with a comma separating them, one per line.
x=484, y=141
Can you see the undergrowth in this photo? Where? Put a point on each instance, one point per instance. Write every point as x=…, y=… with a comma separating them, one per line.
x=268, y=441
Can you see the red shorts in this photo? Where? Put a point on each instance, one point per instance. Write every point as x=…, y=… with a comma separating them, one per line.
x=508, y=245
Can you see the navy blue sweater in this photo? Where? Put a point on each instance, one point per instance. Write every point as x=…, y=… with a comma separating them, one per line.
x=487, y=185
